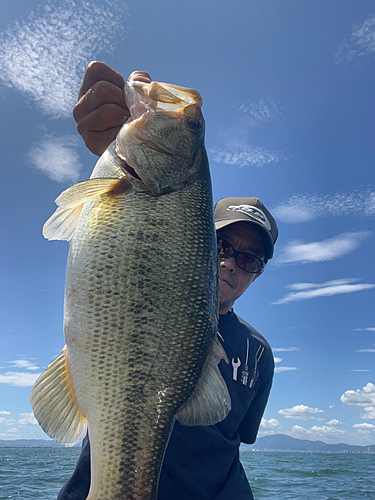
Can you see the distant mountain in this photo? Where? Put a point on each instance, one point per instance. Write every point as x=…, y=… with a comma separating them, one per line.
x=31, y=443
x=280, y=442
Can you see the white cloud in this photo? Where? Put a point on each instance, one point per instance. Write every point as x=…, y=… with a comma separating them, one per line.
x=365, y=426
x=6, y=421
x=366, y=350
x=360, y=370
x=285, y=349
x=334, y=422
x=27, y=419
x=364, y=398
x=23, y=363
x=44, y=55
x=19, y=379
x=277, y=360
x=236, y=147
x=327, y=289
x=300, y=412
x=56, y=157
x=319, y=251
x=305, y=208
x=4, y=412
x=263, y=110
x=360, y=43
x=269, y=427
x=370, y=329
x=246, y=155
x=317, y=433
x=269, y=424
x=280, y=369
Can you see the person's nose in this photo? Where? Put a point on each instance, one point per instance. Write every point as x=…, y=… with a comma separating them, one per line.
x=229, y=264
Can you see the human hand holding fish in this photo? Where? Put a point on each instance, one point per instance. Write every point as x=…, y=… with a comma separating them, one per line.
x=101, y=109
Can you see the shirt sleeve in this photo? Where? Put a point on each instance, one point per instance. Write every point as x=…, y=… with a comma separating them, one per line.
x=248, y=428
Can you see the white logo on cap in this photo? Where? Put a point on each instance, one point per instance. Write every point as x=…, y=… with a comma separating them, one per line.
x=252, y=212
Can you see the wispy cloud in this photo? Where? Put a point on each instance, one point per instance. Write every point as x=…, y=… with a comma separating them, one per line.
x=360, y=43
x=314, y=290
x=19, y=379
x=370, y=329
x=247, y=155
x=4, y=412
x=360, y=370
x=236, y=145
x=307, y=207
x=300, y=412
x=280, y=369
x=319, y=251
x=366, y=350
x=56, y=157
x=285, y=349
x=264, y=110
x=364, y=398
x=44, y=55
x=23, y=363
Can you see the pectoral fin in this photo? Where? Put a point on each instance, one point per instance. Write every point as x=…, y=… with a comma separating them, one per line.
x=210, y=402
x=55, y=406
x=61, y=225
x=86, y=190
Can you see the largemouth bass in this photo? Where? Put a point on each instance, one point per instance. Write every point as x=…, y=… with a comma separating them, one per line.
x=140, y=309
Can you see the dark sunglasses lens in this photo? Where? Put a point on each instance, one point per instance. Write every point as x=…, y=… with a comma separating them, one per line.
x=224, y=248
x=247, y=262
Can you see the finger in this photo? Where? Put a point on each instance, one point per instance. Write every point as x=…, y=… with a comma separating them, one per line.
x=103, y=118
x=100, y=93
x=97, y=71
x=98, y=142
x=99, y=128
x=140, y=76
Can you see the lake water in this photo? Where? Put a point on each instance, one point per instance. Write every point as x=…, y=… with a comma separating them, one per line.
x=39, y=473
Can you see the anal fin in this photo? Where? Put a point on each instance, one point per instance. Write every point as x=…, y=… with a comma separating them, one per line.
x=54, y=404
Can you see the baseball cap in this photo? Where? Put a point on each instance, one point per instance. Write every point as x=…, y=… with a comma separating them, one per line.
x=252, y=210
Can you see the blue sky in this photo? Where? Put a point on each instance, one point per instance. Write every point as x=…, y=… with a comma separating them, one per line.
x=288, y=99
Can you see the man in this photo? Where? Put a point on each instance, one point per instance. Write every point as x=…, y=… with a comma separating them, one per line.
x=201, y=463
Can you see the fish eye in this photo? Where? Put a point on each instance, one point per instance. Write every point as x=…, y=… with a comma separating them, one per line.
x=194, y=124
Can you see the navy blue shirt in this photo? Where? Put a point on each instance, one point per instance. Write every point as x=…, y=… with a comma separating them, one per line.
x=202, y=463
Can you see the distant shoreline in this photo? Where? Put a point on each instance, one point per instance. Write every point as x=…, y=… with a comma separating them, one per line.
x=274, y=443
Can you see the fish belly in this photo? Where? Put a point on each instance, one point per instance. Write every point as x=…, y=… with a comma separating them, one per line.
x=139, y=319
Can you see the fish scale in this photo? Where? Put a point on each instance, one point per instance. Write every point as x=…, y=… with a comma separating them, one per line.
x=139, y=313
x=136, y=347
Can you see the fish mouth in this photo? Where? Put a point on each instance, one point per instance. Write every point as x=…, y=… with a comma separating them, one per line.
x=141, y=99
x=130, y=169
x=125, y=166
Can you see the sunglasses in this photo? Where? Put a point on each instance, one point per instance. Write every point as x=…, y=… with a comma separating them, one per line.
x=245, y=261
